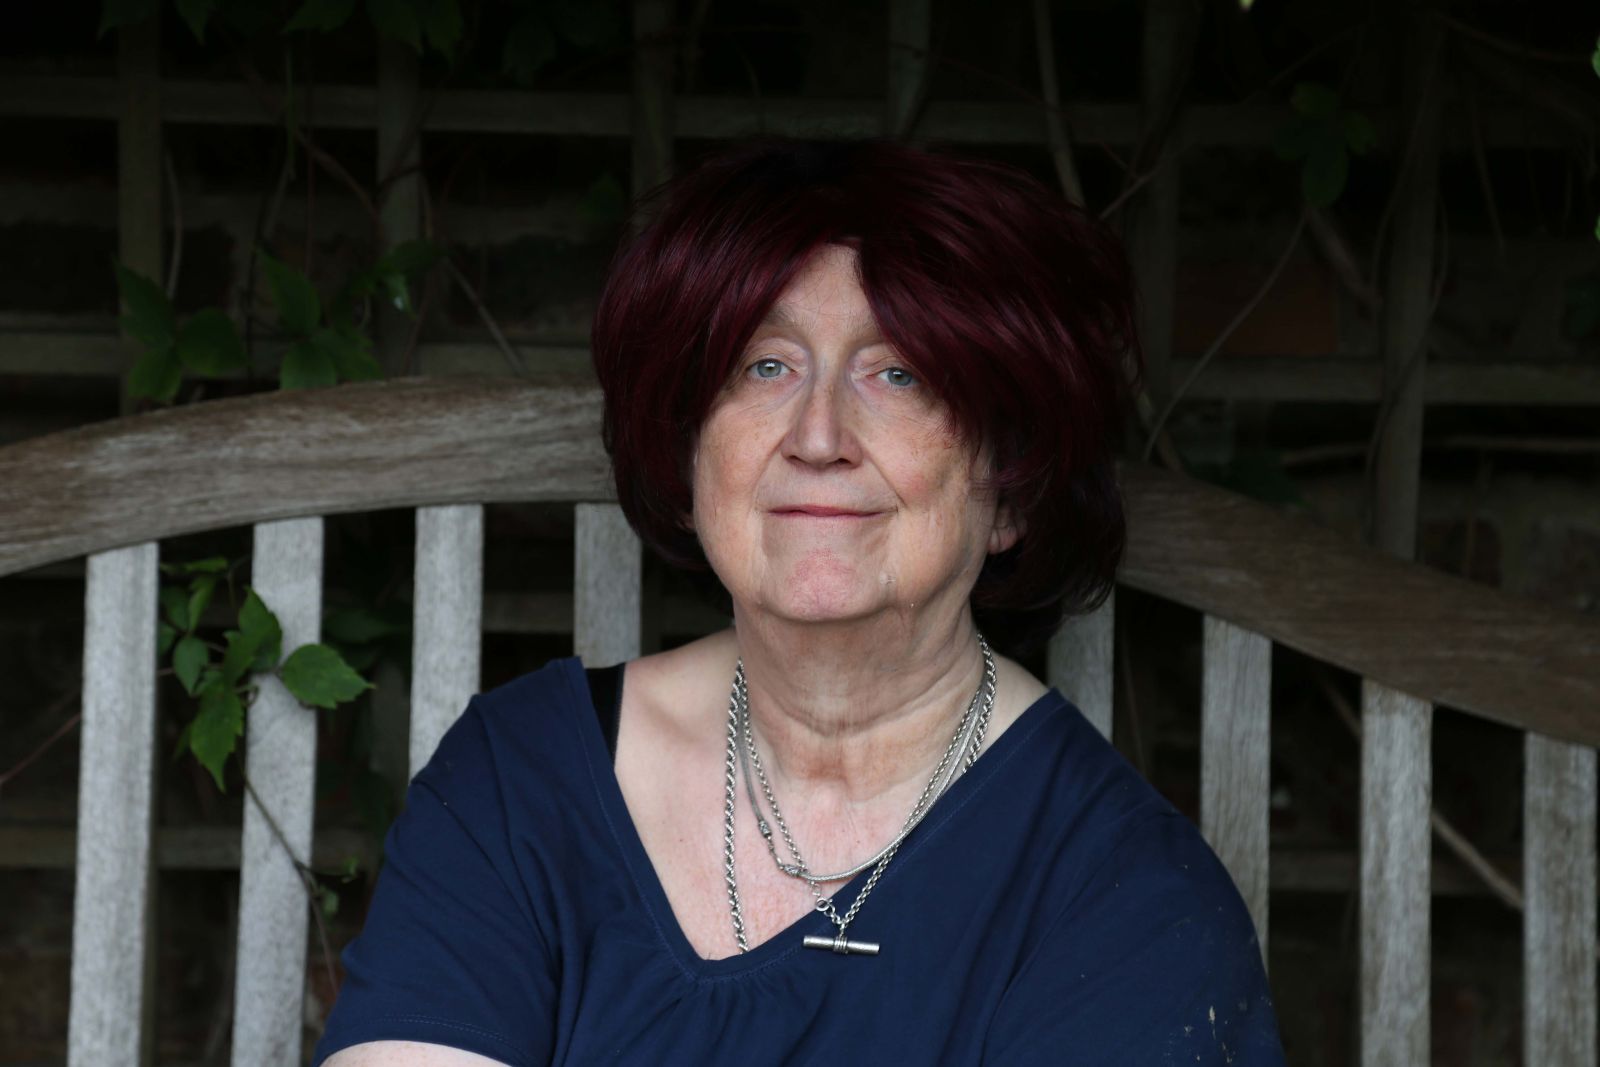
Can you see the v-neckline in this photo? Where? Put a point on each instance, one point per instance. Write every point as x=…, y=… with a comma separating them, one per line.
x=786, y=942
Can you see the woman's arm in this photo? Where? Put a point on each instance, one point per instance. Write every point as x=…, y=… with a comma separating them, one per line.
x=407, y=1054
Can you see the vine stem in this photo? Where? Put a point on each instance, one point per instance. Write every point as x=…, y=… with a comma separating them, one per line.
x=308, y=877
x=61, y=731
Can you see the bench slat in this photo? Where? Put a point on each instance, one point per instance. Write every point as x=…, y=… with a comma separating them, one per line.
x=446, y=650
x=1235, y=757
x=1079, y=663
x=1559, y=918
x=605, y=589
x=1396, y=794
x=281, y=759
x=111, y=914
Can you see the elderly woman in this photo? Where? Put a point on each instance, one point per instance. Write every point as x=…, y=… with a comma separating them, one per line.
x=874, y=392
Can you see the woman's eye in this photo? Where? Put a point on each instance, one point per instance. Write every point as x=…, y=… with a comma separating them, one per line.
x=768, y=368
x=899, y=377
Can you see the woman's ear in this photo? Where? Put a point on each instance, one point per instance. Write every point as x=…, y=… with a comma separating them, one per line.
x=1007, y=530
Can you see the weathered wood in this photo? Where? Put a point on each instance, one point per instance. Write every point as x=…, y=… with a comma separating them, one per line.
x=112, y=903
x=318, y=452
x=1396, y=793
x=608, y=561
x=1558, y=923
x=139, y=237
x=1235, y=757
x=280, y=760
x=446, y=647
x=412, y=443
x=1079, y=663
x=606, y=115
x=1495, y=654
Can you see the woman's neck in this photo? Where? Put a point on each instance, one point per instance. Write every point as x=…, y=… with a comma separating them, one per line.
x=852, y=714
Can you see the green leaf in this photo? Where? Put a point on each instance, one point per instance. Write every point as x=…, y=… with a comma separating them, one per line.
x=397, y=19
x=604, y=203
x=350, y=352
x=328, y=901
x=442, y=25
x=175, y=606
x=165, y=635
x=1315, y=100
x=410, y=258
x=200, y=591
x=196, y=13
x=1594, y=61
x=585, y=23
x=187, y=659
x=319, y=676
x=257, y=644
x=529, y=46
x=1359, y=133
x=357, y=626
x=293, y=295
x=1322, y=176
x=349, y=869
x=209, y=565
x=156, y=375
x=215, y=731
x=321, y=15
x=150, y=319
x=209, y=344
x=114, y=14
x=307, y=366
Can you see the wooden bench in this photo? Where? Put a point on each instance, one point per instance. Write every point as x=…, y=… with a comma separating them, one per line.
x=110, y=492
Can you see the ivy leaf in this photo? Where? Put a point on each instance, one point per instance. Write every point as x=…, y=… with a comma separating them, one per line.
x=293, y=295
x=196, y=13
x=175, y=606
x=165, y=635
x=442, y=25
x=150, y=319
x=1359, y=133
x=307, y=366
x=259, y=629
x=209, y=344
x=1322, y=176
x=215, y=731
x=321, y=15
x=529, y=46
x=114, y=14
x=157, y=374
x=357, y=626
x=328, y=900
x=187, y=659
x=1315, y=100
x=200, y=598
x=209, y=565
x=397, y=19
x=351, y=353
x=319, y=676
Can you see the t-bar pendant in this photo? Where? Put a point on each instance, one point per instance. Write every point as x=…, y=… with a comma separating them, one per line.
x=842, y=946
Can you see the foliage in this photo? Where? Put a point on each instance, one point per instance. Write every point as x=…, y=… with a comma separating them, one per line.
x=224, y=678
x=1322, y=136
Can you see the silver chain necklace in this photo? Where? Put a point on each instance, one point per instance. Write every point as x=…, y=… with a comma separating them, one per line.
x=968, y=739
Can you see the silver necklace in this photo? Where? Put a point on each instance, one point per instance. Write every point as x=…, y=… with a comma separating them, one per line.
x=968, y=739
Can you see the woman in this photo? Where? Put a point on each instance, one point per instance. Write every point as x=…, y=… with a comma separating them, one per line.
x=873, y=391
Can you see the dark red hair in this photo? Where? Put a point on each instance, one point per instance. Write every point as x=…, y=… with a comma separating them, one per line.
x=1013, y=305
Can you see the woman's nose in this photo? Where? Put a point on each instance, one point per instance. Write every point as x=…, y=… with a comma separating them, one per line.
x=820, y=433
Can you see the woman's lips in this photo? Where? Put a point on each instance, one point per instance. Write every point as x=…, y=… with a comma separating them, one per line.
x=817, y=511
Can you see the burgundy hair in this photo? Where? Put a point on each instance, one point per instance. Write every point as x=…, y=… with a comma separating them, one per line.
x=1013, y=305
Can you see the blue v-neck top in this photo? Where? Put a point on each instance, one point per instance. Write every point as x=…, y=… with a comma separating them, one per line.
x=1051, y=909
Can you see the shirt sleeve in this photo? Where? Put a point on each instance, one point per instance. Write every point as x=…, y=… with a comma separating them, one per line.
x=450, y=953
x=1155, y=960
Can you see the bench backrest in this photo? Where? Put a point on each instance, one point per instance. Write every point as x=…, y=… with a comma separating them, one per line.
x=111, y=491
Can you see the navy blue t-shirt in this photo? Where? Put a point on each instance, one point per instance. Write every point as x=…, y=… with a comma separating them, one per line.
x=1051, y=909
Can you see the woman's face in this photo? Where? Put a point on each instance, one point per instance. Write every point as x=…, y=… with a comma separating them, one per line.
x=828, y=485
